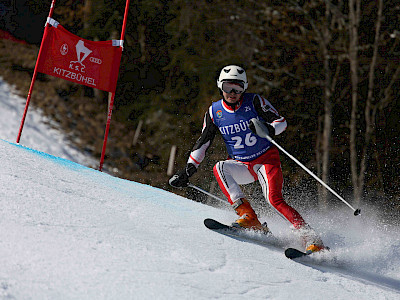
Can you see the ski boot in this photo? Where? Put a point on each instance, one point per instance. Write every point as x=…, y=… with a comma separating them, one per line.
x=247, y=217
x=315, y=248
x=311, y=241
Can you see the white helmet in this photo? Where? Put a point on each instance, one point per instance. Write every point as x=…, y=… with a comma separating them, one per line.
x=232, y=73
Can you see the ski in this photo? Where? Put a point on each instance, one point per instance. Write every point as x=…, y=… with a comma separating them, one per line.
x=260, y=238
x=265, y=239
x=215, y=225
x=293, y=253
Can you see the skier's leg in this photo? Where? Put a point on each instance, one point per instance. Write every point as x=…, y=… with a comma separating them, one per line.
x=230, y=174
x=271, y=180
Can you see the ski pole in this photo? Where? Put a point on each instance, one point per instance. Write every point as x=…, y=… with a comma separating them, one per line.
x=262, y=131
x=205, y=192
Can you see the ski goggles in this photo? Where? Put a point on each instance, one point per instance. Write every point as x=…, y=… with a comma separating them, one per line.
x=232, y=87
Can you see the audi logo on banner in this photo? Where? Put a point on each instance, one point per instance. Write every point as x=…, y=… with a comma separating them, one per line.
x=96, y=60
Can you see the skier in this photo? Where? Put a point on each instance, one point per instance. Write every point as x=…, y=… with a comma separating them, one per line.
x=250, y=157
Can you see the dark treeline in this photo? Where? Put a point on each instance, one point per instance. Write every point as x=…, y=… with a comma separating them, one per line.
x=330, y=67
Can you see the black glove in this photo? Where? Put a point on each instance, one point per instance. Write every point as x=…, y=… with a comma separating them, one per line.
x=181, y=179
x=270, y=128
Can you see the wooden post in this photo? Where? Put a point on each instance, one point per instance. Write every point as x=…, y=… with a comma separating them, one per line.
x=137, y=133
x=170, y=169
x=110, y=108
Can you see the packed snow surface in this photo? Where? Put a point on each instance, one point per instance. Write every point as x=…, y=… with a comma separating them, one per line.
x=39, y=132
x=71, y=232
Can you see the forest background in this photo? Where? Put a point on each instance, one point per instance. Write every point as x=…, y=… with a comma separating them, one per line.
x=331, y=68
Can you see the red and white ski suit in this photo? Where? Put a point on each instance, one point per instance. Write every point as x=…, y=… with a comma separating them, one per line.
x=265, y=167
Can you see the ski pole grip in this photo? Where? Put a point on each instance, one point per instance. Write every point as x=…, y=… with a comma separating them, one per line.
x=260, y=128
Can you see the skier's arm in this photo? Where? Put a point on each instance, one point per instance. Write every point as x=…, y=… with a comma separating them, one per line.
x=204, y=142
x=276, y=124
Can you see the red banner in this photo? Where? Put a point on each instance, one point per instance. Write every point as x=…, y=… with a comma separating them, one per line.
x=67, y=56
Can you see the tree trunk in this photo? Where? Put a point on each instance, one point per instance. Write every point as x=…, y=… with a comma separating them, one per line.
x=354, y=13
x=86, y=17
x=326, y=133
x=326, y=148
x=359, y=163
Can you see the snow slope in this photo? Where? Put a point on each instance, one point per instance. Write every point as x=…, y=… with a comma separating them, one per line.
x=36, y=133
x=71, y=232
